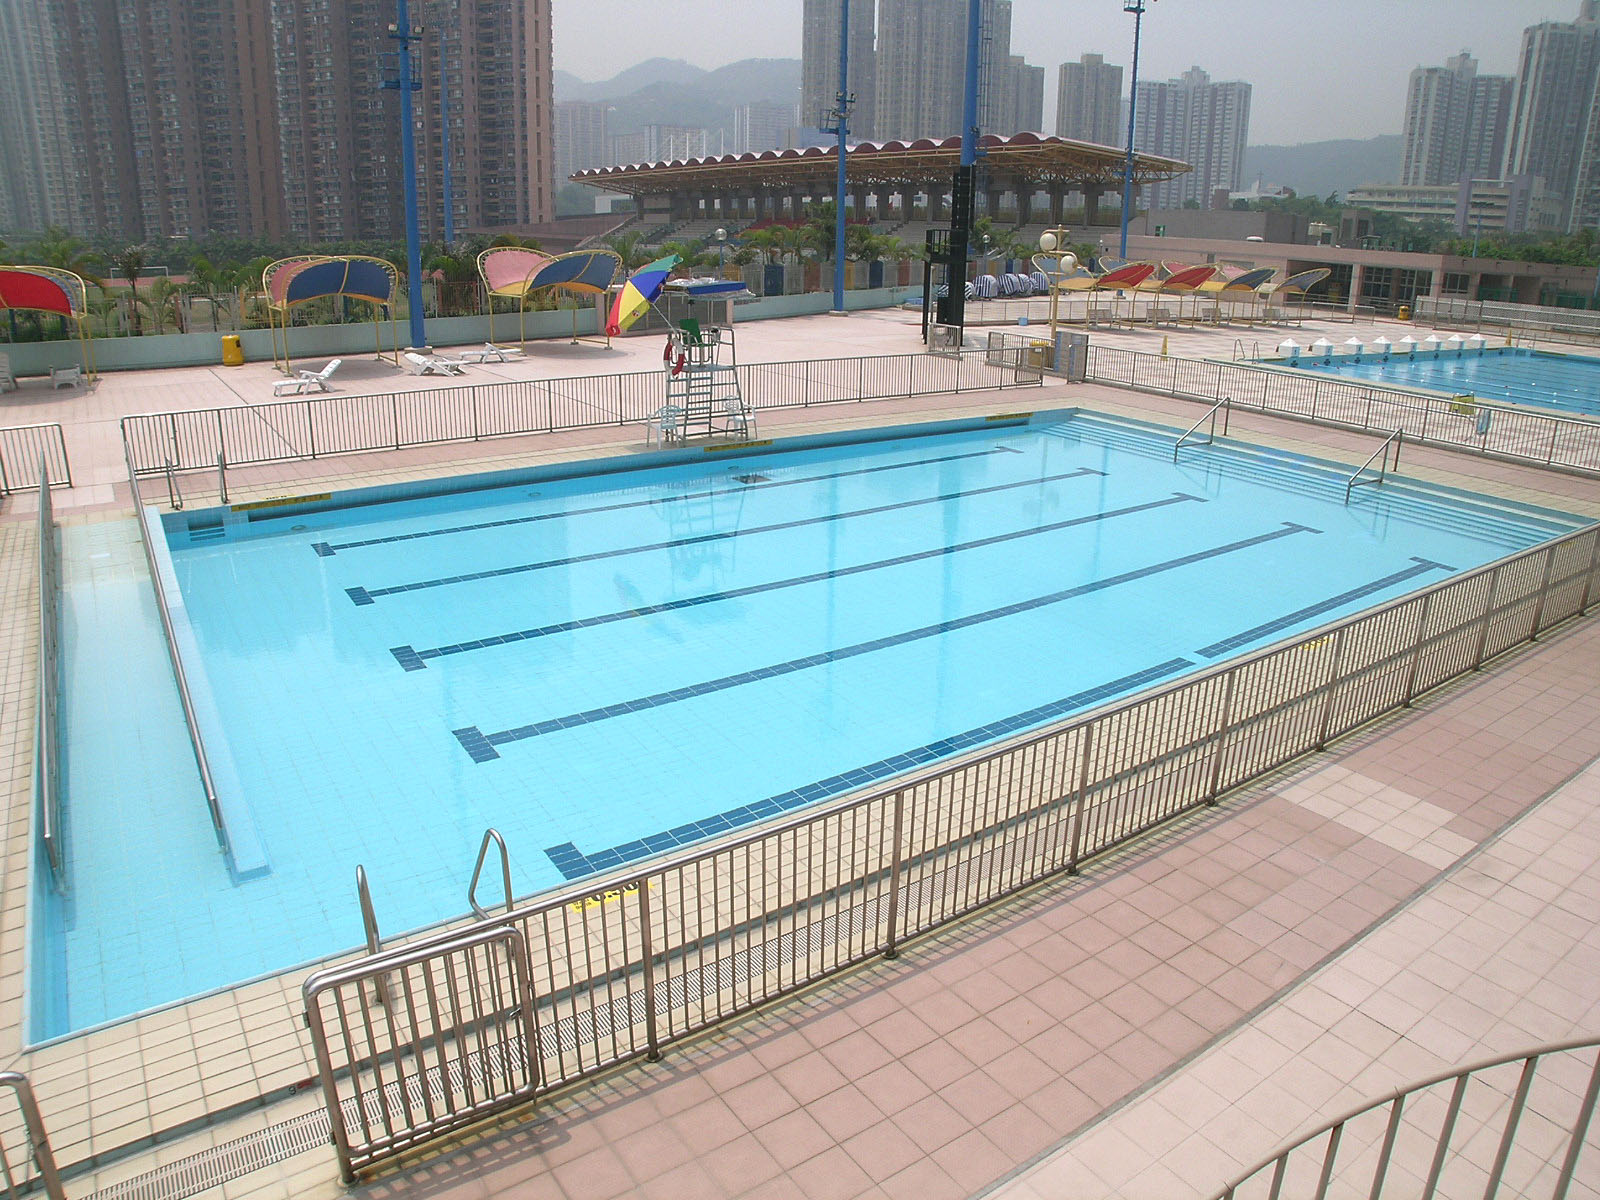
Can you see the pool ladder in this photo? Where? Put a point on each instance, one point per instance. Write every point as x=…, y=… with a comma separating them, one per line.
x=1226, y=406
x=1355, y=480
x=490, y=835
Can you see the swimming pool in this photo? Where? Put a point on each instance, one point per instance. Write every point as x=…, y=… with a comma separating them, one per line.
x=1507, y=374
x=606, y=666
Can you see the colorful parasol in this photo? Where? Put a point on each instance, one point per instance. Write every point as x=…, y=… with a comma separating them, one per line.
x=638, y=292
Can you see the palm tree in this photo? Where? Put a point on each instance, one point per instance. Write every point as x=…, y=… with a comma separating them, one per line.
x=60, y=250
x=629, y=247
x=162, y=301
x=129, y=261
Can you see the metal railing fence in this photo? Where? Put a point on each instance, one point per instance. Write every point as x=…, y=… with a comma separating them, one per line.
x=632, y=961
x=1416, y=1142
x=1501, y=314
x=317, y=427
x=46, y=756
x=1510, y=432
x=35, y=1171
x=21, y=448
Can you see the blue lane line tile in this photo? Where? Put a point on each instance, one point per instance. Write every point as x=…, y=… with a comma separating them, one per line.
x=574, y=865
x=366, y=595
x=538, y=728
x=327, y=550
x=475, y=744
x=408, y=658
x=1230, y=644
x=900, y=560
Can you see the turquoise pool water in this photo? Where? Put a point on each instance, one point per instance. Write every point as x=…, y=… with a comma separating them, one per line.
x=1508, y=374
x=608, y=666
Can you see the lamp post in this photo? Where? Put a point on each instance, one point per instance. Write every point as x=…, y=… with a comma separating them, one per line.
x=1136, y=7
x=722, y=237
x=1053, y=245
x=404, y=33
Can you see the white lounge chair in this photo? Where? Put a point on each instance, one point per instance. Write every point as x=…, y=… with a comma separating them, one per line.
x=307, y=381
x=433, y=364
x=491, y=353
x=8, y=381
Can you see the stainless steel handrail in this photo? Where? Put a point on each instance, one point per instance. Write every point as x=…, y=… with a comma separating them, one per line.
x=222, y=477
x=38, y=1140
x=369, y=919
x=1355, y=479
x=47, y=755
x=174, y=495
x=184, y=696
x=490, y=835
x=1279, y=1159
x=1226, y=405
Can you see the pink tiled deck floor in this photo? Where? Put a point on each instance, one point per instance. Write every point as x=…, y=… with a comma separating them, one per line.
x=979, y=1050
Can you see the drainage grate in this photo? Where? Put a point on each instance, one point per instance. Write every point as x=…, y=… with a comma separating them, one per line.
x=220, y=1164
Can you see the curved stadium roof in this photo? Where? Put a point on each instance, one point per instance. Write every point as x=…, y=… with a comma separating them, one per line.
x=1044, y=160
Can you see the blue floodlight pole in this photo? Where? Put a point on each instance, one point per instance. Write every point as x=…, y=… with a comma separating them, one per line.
x=1136, y=7
x=402, y=32
x=969, y=101
x=444, y=143
x=843, y=115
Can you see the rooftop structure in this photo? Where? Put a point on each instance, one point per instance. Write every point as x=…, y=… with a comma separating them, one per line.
x=763, y=183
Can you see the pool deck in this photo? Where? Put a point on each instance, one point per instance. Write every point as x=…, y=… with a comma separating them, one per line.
x=1194, y=996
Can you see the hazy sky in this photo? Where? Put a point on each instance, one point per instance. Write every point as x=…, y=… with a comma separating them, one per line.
x=1321, y=68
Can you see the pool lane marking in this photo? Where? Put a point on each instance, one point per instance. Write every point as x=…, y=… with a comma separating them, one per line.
x=574, y=864
x=415, y=660
x=481, y=746
x=329, y=549
x=1277, y=625
x=361, y=595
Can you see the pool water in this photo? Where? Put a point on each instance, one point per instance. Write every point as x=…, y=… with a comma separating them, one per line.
x=605, y=667
x=1509, y=375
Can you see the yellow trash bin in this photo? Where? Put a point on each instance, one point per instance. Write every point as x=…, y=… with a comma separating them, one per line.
x=1404, y=312
x=232, y=351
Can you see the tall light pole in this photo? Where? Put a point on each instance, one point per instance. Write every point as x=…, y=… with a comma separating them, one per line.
x=402, y=32
x=841, y=117
x=1136, y=7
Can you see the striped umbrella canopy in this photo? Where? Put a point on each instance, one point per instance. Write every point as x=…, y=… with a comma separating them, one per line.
x=638, y=293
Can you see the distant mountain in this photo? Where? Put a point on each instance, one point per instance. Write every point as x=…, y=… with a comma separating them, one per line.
x=627, y=81
x=748, y=81
x=1318, y=168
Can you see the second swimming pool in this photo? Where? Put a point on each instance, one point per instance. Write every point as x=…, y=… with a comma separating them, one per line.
x=1569, y=383
x=609, y=666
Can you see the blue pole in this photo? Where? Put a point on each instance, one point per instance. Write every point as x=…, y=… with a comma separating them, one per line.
x=838, y=191
x=1136, y=7
x=408, y=160
x=444, y=143
x=969, y=104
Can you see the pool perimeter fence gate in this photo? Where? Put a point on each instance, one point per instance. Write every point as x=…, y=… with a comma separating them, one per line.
x=622, y=965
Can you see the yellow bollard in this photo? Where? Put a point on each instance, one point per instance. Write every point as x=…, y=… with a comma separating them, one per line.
x=1163, y=345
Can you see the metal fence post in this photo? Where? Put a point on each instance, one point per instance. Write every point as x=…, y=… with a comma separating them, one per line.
x=1544, y=590
x=311, y=428
x=1416, y=651
x=1212, y=784
x=647, y=952
x=475, y=425
x=1332, y=687
x=890, y=949
x=1588, y=579
x=1488, y=612
x=1083, y=792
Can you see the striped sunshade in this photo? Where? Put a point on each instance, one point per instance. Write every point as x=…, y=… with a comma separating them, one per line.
x=30, y=289
x=291, y=281
x=517, y=271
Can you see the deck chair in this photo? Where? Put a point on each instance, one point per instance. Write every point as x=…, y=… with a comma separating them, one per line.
x=665, y=425
x=307, y=381
x=433, y=364
x=8, y=381
x=489, y=352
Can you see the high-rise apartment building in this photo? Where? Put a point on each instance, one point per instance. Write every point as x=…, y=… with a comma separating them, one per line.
x=1089, y=101
x=1027, y=97
x=580, y=137
x=819, y=66
x=922, y=55
x=1550, y=120
x=1455, y=126
x=762, y=127
x=159, y=119
x=1202, y=123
